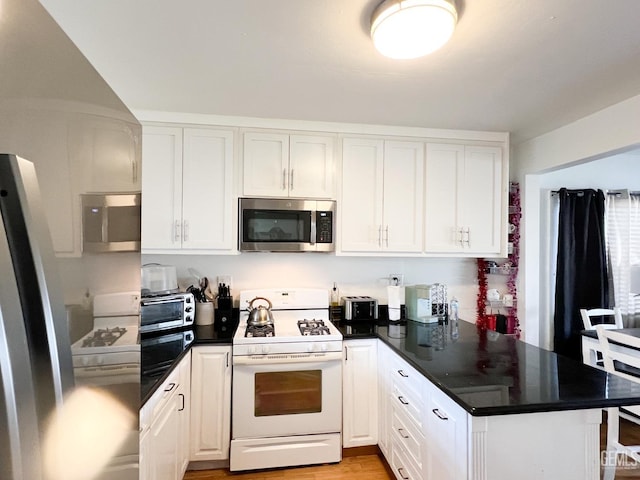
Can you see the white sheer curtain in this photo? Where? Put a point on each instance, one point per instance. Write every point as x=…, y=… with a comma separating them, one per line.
x=623, y=244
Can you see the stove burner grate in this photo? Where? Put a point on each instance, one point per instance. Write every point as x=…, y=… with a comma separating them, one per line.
x=104, y=337
x=313, y=327
x=260, y=331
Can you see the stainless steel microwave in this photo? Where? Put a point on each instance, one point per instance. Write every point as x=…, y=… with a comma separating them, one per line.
x=286, y=225
x=111, y=222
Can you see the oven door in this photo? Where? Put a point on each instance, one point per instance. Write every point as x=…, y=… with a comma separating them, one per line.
x=280, y=395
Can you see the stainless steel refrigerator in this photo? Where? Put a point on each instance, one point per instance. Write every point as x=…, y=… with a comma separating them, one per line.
x=51, y=428
x=78, y=138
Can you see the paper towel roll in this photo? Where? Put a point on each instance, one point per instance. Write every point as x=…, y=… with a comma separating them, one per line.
x=393, y=301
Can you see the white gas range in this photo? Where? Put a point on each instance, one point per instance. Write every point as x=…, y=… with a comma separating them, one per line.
x=287, y=383
x=110, y=352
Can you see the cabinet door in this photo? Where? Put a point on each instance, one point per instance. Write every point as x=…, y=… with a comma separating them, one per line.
x=207, y=210
x=311, y=166
x=482, y=191
x=210, y=403
x=266, y=164
x=362, y=195
x=444, y=166
x=447, y=437
x=113, y=157
x=184, y=413
x=360, y=393
x=161, y=188
x=403, y=196
x=162, y=458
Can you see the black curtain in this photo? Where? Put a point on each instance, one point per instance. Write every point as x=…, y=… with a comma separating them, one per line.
x=581, y=275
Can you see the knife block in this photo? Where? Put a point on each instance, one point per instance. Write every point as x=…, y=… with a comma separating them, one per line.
x=224, y=311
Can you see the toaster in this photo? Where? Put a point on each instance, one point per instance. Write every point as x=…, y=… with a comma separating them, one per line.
x=360, y=308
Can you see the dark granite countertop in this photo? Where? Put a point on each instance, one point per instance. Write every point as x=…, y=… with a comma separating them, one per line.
x=523, y=378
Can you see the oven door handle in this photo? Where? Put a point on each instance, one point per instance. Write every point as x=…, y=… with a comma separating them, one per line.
x=277, y=358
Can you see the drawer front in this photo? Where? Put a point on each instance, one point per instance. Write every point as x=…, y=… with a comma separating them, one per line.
x=407, y=435
x=407, y=378
x=407, y=401
x=403, y=468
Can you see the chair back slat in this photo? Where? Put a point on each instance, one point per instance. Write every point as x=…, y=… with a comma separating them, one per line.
x=613, y=313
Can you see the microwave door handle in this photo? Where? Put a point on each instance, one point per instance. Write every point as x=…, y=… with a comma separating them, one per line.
x=156, y=301
x=313, y=228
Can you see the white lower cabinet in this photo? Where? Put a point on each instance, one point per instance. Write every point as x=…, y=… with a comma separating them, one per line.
x=210, y=402
x=162, y=423
x=359, y=393
x=423, y=433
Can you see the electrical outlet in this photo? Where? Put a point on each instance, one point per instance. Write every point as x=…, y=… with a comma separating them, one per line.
x=226, y=279
x=396, y=279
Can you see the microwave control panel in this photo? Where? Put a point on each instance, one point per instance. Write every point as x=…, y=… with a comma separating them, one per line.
x=324, y=227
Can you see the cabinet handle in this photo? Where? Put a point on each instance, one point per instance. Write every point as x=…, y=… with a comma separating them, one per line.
x=400, y=471
x=170, y=387
x=182, y=397
x=440, y=415
x=134, y=171
x=400, y=430
x=461, y=236
x=346, y=355
x=402, y=400
x=185, y=233
x=468, y=234
x=291, y=180
x=387, y=235
x=284, y=178
x=176, y=231
x=402, y=374
x=227, y=359
x=380, y=235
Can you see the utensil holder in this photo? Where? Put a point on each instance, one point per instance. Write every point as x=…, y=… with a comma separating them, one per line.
x=204, y=313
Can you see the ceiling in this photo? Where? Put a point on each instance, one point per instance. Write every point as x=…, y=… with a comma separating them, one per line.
x=521, y=66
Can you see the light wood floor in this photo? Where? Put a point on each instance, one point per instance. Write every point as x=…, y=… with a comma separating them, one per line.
x=373, y=467
x=361, y=467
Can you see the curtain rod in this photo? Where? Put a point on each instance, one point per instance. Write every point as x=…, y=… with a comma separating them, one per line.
x=610, y=192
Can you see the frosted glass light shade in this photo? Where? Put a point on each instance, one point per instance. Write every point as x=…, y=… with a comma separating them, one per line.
x=405, y=29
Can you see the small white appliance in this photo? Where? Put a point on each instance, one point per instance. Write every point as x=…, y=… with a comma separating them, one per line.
x=287, y=383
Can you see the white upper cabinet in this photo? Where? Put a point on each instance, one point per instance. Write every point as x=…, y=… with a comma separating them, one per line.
x=187, y=200
x=282, y=165
x=382, y=196
x=465, y=195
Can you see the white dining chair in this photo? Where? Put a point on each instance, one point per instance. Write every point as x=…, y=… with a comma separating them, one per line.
x=621, y=356
x=591, y=353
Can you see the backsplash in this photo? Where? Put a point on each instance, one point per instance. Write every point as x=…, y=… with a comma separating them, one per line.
x=353, y=275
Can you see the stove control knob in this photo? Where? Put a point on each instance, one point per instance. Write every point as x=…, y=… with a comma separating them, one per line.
x=85, y=361
x=252, y=350
x=310, y=348
x=323, y=347
x=100, y=360
x=265, y=349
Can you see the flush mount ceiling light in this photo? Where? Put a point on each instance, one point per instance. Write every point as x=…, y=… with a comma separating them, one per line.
x=404, y=29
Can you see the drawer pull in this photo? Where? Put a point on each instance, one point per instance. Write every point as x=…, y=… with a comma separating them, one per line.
x=440, y=415
x=402, y=400
x=402, y=374
x=403, y=435
x=402, y=475
x=170, y=387
x=182, y=397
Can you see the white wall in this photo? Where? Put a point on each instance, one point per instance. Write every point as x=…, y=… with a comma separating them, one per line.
x=354, y=275
x=543, y=163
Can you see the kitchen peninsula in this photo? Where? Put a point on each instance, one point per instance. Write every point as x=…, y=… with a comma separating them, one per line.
x=482, y=405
